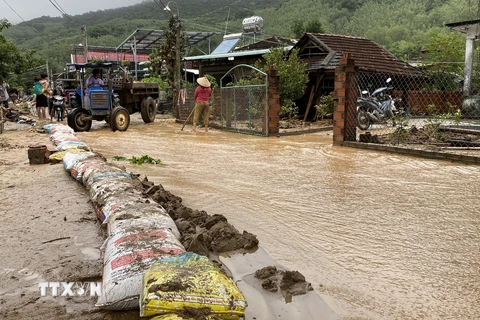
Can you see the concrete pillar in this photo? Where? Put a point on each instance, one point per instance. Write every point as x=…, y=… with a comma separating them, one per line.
x=344, y=114
x=469, y=52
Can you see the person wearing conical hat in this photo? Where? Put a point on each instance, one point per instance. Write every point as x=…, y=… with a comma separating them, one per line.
x=202, y=107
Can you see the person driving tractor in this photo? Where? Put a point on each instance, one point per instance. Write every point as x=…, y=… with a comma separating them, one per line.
x=93, y=81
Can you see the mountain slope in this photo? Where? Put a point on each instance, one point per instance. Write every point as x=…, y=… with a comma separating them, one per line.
x=401, y=26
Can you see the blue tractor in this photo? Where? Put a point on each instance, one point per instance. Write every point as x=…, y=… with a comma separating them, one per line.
x=102, y=105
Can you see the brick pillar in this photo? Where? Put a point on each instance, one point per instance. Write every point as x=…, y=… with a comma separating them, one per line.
x=273, y=104
x=344, y=114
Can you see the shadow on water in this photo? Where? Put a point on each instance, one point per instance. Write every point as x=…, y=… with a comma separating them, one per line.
x=380, y=236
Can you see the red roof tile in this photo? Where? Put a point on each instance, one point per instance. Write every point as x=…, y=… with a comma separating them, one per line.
x=368, y=56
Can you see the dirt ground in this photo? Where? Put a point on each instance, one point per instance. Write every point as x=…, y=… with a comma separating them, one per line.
x=50, y=233
x=48, y=230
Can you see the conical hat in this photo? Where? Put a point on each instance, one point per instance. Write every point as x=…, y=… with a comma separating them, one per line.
x=203, y=82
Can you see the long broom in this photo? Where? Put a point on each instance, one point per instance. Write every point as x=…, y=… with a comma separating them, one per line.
x=188, y=118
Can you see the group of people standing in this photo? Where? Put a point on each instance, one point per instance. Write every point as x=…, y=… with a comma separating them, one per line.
x=42, y=91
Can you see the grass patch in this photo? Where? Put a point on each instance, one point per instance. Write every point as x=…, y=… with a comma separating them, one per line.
x=134, y=160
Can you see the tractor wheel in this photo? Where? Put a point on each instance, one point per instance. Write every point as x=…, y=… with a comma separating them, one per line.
x=77, y=120
x=120, y=119
x=149, y=110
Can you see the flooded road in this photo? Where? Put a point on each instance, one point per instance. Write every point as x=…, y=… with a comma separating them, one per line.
x=380, y=236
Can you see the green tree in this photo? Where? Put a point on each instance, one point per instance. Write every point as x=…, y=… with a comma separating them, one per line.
x=292, y=74
x=167, y=49
x=445, y=57
x=314, y=26
x=12, y=60
x=298, y=28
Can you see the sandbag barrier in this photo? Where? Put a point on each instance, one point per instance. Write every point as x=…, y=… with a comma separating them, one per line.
x=141, y=232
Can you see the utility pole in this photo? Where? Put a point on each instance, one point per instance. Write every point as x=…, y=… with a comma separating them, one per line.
x=177, y=62
x=85, y=48
x=176, y=73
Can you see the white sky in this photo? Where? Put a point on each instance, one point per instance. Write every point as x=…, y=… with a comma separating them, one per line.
x=30, y=9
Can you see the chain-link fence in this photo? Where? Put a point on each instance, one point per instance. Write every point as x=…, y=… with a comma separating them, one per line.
x=244, y=100
x=243, y=109
x=422, y=112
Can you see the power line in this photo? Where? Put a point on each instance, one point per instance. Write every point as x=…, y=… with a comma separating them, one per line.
x=158, y=4
x=59, y=8
x=21, y=17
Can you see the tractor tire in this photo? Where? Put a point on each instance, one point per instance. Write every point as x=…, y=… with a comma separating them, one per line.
x=149, y=110
x=120, y=119
x=77, y=121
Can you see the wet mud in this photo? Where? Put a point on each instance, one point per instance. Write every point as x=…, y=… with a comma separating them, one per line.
x=53, y=213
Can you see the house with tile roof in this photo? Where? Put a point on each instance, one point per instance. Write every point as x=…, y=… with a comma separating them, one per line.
x=322, y=53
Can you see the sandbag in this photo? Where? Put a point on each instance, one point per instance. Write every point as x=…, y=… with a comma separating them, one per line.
x=102, y=190
x=58, y=156
x=152, y=221
x=128, y=253
x=189, y=280
x=71, y=158
x=106, y=204
x=132, y=206
x=173, y=316
x=52, y=128
x=103, y=171
x=78, y=169
x=62, y=146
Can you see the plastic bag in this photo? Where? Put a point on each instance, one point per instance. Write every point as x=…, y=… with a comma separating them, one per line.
x=189, y=280
x=129, y=251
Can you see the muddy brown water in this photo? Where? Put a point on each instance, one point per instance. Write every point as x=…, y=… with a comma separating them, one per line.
x=379, y=236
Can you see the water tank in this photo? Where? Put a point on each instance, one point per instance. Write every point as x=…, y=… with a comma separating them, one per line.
x=252, y=24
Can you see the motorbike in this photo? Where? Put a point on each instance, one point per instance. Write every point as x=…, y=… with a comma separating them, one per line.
x=377, y=107
x=74, y=100
x=59, y=107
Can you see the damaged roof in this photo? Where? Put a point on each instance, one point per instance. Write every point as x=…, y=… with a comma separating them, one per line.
x=324, y=51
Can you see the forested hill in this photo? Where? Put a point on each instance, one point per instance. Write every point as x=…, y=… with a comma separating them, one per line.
x=402, y=26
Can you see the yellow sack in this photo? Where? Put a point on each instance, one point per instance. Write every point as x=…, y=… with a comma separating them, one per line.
x=58, y=156
x=173, y=316
x=189, y=280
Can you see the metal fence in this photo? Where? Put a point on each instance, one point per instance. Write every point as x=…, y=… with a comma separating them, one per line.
x=420, y=112
x=244, y=102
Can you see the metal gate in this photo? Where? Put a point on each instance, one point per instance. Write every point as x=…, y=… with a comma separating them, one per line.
x=244, y=100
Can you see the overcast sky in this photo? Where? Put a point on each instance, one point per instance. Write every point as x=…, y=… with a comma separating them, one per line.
x=30, y=9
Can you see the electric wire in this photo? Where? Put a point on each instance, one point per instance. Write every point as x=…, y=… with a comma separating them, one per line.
x=21, y=17
x=64, y=14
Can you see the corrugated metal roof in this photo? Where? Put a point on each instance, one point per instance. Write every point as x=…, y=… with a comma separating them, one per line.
x=227, y=55
x=147, y=39
x=368, y=56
